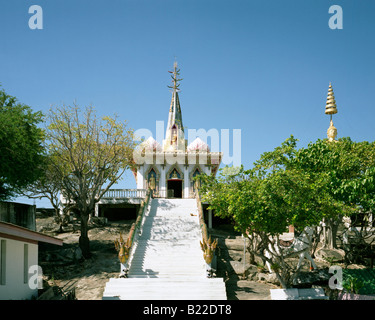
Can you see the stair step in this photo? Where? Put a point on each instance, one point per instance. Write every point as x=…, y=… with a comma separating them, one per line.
x=170, y=285
x=167, y=260
x=166, y=280
x=189, y=293
x=166, y=268
x=163, y=276
x=158, y=297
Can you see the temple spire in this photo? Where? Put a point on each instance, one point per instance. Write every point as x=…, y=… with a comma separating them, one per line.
x=175, y=136
x=331, y=109
x=175, y=78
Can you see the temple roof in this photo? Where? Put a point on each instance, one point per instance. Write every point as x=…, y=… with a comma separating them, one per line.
x=175, y=115
x=198, y=145
x=175, y=136
x=151, y=145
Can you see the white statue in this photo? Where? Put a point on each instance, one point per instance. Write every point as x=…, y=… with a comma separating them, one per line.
x=300, y=246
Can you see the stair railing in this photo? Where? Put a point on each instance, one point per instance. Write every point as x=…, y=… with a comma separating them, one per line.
x=126, y=248
x=208, y=246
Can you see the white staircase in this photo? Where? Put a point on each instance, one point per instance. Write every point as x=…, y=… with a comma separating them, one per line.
x=167, y=261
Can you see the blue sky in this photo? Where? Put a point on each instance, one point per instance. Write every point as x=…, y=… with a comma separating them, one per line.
x=260, y=66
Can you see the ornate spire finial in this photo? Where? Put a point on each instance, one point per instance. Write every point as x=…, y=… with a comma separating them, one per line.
x=175, y=136
x=175, y=79
x=331, y=109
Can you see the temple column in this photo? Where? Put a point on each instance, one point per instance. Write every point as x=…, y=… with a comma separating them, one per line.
x=210, y=218
x=163, y=183
x=140, y=177
x=186, y=182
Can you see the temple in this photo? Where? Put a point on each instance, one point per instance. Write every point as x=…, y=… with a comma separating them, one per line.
x=168, y=169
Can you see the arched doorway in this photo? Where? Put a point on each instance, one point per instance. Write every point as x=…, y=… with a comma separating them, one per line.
x=174, y=188
x=174, y=184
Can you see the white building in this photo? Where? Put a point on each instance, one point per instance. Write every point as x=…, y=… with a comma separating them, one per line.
x=19, y=252
x=169, y=169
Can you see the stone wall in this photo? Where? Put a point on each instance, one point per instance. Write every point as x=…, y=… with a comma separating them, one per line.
x=19, y=214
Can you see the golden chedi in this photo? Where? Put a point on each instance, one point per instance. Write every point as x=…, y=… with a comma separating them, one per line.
x=331, y=109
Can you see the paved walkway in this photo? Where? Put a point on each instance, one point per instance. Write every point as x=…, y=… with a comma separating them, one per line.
x=248, y=290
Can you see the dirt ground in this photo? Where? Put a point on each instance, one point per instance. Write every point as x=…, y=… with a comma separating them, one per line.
x=64, y=267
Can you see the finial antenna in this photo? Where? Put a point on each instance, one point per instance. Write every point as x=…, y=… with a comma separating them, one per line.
x=175, y=77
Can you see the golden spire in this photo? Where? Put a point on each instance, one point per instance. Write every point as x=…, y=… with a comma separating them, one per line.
x=331, y=109
x=331, y=103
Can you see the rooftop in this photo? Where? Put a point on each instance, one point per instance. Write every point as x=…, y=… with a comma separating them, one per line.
x=12, y=231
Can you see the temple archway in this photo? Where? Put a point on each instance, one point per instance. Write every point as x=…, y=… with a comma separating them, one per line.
x=194, y=184
x=175, y=183
x=152, y=180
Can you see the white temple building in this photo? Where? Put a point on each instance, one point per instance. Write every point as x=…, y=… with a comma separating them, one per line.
x=169, y=169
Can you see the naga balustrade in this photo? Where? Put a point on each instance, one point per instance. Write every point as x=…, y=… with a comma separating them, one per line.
x=208, y=245
x=125, y=248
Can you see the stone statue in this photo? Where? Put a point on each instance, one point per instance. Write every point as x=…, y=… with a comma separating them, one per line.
x=331, y=132
x=174, y=175
x=152, y=182
x=299, y=246
x=208, y=247
x=123, y=249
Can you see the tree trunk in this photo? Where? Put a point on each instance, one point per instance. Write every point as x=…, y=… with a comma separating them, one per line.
x=250, y=250
x=253, y=246
x=252, y=258
x=334, y=229
x=84, y=242
x=59, y=219
x=330, y=234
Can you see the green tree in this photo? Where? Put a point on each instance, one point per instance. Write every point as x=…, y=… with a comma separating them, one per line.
x=21, y=146
x=49, y=186
x=89, y=156
x=266, y=199
x=347, y=171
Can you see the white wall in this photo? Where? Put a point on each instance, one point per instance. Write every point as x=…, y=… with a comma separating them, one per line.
x=15, y=288
x=141, y=175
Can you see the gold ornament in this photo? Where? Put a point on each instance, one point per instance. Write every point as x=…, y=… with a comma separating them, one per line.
x=174, y=175
x=331, y=107
x=208, y=247
x=152, y=182
x=123, y=248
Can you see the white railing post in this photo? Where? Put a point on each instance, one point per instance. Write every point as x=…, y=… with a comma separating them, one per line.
x=125, y=193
